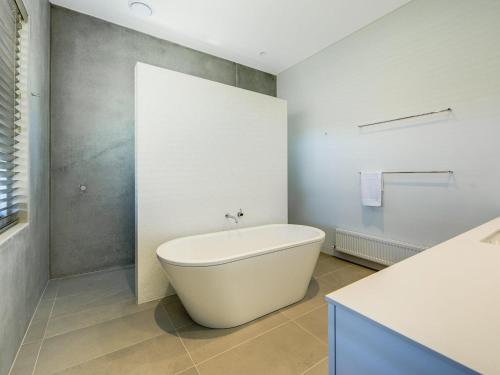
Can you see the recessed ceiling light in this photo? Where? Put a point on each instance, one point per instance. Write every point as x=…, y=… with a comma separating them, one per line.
x=140, y=9
x=262, y=53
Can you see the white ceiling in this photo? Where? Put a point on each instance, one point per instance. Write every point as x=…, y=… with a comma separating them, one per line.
x=288, y=31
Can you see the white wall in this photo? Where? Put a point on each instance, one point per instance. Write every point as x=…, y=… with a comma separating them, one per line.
x=202, y=149
x=427, y=55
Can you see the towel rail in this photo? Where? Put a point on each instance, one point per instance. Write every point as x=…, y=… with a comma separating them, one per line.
x=406, y=172
x=405, y=118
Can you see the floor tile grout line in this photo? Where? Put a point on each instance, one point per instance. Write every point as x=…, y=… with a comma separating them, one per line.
x=180, y=339
x=51, y=310
x=176, y=329
x=308, y=312
x=44, y=339
x=44, y=330
x=111, y=352
x=330, y=272
x=111, y=293
x=75, y=277
x=93, y=290
x=29, y=325
x=93, y=273
x=55, y=318
x=315, y=365
x=182, y=342
x=95, y=324
x=187, y=351
x=336, y=269
x=245, y=341
x=289, y=320
x=341, y=262
x=189, y=368
x=309, y=333
x=69, y=315
x=185, y=325
x=89, y=302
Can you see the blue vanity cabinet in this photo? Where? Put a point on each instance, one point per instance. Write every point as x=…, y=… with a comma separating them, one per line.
x=360, y=346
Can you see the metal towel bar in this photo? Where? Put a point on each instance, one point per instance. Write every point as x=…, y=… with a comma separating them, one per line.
x=405, y=118
x=405, y=172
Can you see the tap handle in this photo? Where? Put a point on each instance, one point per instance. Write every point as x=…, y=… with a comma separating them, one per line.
x=240, y=213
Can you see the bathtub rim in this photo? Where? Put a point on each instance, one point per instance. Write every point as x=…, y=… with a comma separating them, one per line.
x=320, y=237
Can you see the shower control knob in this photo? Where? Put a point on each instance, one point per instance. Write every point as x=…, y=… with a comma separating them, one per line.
x=240, y=213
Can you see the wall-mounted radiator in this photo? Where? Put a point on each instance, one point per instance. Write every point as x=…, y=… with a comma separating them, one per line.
x=378, y=250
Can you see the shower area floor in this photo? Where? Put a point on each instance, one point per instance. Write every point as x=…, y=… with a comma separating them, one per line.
x=90, y=324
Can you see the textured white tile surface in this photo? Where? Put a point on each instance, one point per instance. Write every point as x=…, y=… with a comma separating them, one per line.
x=202, y=149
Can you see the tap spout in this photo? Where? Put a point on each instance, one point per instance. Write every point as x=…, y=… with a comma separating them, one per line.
x=232, y=217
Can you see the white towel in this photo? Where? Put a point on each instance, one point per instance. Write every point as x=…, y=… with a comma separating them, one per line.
x=371, y=188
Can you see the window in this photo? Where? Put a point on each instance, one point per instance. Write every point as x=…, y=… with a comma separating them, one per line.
x=13, y=112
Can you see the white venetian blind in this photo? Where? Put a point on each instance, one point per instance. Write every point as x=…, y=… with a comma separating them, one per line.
x=13, y=113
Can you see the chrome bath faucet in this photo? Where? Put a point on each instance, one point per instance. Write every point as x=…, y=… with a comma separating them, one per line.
x=233, y=217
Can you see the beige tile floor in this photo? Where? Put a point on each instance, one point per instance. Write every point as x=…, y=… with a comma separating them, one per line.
x=91, y=325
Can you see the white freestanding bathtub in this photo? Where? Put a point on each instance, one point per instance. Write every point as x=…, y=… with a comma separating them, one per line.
x=228, y=278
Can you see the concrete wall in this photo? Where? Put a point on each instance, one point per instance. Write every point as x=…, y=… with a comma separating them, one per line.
x=92, y=119
x=24, y=256
x=425, y=56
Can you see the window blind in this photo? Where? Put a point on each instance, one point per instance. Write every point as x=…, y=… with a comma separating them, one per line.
x=13, y=113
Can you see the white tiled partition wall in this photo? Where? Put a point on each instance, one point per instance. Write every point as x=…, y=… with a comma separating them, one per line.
x=202, y=149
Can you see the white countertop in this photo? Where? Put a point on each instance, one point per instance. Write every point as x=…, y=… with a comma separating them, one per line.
x=446, y=298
